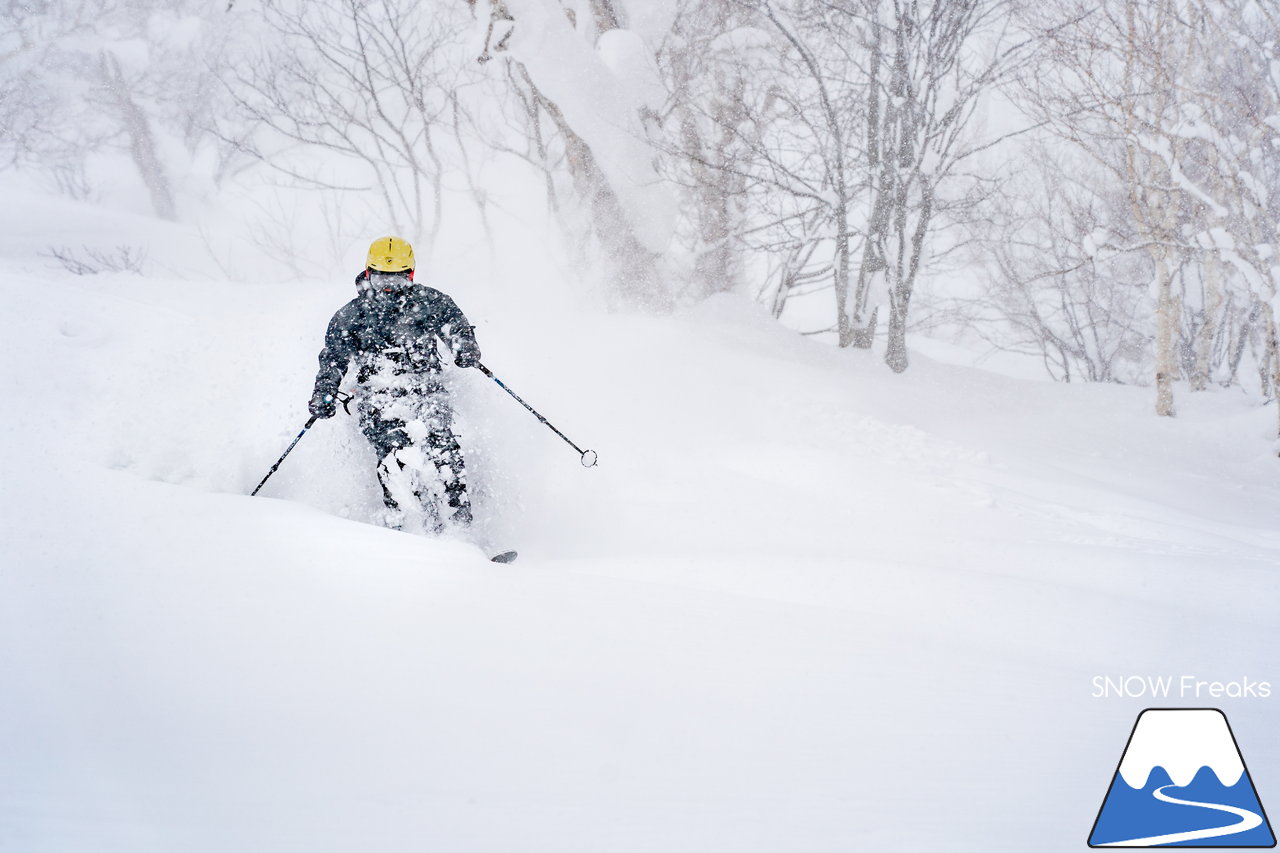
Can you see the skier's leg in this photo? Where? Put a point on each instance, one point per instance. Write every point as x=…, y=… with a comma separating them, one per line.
x=420, y=463
x=445, y=454
x=388, y=436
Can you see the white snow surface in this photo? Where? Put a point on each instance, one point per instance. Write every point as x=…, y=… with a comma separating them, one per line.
x=1181, y=741
x=802, y=604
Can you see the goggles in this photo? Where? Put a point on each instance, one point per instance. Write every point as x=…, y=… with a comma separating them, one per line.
x=389, y=282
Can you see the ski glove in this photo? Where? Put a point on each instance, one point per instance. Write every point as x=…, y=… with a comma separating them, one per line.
x=468, y=354
x=323, y=405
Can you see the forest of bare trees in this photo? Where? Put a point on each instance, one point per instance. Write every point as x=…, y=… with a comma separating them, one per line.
x=1095, y=184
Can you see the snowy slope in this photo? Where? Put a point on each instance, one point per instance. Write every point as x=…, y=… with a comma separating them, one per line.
x=802, y=605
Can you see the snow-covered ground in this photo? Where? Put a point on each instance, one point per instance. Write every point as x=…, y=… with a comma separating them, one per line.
x=801, y=605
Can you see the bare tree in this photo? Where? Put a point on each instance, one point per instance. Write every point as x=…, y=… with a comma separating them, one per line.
x=1231, y=120
x=373, y=82
x=608, y=157
x=928, y=66
x=833, y=129
x=759, y=131
x=1067, y=294
x=116, y=90
x=847, y=139
x=74, y=83
x=707, y=61
x=92, y=261
x=1173, y=99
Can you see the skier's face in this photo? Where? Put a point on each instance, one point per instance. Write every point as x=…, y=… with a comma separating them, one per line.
x=390, y=285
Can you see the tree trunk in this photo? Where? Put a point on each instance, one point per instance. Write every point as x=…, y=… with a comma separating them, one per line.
x=844, y=327
x=142, y=144
x=1166, y=328
x=1271, y=361
x=1208, y=331
x=635, y=277
x=606, y=16
x=634, y=266
x=896, y=353
x=718, y=265
x=873, y=260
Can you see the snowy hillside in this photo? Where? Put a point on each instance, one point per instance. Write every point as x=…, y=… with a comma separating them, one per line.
x=801, y=605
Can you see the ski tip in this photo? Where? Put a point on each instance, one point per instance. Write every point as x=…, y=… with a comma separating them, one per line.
x=504, y=557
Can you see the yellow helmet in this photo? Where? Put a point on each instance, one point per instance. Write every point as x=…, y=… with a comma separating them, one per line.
x=390, y=254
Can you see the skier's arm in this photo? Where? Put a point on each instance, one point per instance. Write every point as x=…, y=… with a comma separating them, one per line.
x=459, y=334
x=339, y=347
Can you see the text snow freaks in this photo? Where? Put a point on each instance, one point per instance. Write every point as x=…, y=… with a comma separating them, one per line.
x=1176, y=687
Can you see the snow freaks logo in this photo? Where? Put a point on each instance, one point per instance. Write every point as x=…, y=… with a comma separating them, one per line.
x=1181, y=687
x=1181, y=783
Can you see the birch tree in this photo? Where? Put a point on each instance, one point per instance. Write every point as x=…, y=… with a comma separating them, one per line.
x=1232, y=123
x=1175, y=100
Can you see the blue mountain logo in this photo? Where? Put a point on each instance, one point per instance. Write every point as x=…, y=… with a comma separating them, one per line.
x=1182, y=783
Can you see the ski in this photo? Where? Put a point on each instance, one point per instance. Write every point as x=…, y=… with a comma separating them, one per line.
x=504, y=557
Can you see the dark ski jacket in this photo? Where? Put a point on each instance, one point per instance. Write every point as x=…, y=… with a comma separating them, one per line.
x=392, y=332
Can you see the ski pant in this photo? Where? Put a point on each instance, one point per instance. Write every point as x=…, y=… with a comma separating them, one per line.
x=420, y=465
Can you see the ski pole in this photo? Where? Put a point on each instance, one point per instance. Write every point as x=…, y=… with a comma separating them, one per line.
x=587, y=457
x=283, y=455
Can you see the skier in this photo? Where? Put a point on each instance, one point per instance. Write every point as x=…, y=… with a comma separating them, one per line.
x=390, y=334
